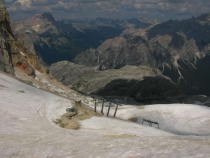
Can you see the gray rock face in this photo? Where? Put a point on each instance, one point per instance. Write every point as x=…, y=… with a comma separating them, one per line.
x=3, y=12
x=11, y=47
x=138, y=82
x=180, y=49
x=6, y=38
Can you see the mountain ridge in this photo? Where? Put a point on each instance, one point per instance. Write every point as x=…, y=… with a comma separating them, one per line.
x=178, y=48
x=64, y=39
x=140, y=83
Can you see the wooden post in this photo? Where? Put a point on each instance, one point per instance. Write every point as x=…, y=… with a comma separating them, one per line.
x=95, y=105
x=150, y=124
x=115, y=111
x=102, y=108
x=109, y=109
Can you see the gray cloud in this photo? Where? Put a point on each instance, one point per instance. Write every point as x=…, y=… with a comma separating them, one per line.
x=158, y=9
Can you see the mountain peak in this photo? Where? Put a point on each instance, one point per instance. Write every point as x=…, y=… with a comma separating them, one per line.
x=45, y=16
x=48, y=16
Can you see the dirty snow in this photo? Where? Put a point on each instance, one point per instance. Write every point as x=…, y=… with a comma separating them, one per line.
x=27, y=130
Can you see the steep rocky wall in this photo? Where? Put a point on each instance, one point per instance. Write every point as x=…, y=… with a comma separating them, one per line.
x=13, y=51
x=6, y=40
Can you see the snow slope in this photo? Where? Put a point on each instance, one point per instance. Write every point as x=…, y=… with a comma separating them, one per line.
x=27, y=130
x=185, y=119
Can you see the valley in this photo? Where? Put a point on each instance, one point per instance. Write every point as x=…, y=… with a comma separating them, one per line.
x=64, y=39
x=179, y=49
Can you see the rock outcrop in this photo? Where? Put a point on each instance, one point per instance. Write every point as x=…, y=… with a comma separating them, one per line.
x=138, y=82
x=6, y=41
x=180, y=49
x=13, y=51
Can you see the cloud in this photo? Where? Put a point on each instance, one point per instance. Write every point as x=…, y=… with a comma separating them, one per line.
x=158, y=9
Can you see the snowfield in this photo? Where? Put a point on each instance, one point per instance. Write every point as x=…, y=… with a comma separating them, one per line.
x=184, y=119
x=27, y=129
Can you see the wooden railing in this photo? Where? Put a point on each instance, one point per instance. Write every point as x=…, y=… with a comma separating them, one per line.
x=150, y=122
x=103, y=101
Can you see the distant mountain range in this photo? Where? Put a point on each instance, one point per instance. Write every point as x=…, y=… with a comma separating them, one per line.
x=55, y=40
x=180, y=49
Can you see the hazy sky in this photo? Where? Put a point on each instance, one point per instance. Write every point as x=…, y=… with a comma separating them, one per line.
x=158, y=9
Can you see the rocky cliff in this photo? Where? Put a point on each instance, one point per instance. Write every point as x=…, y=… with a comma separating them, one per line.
x=138, y=82
x=6, y=41
x=180, y=49
x=13, y=51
